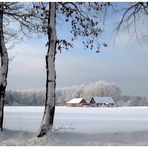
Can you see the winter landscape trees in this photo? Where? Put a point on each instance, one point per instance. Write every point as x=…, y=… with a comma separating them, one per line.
x=83, y=24
x=37, y=97
x=84, y=20
x=21, y=15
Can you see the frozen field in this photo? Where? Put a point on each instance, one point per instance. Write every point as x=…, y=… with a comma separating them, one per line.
x=84, y=120
x=77, y=126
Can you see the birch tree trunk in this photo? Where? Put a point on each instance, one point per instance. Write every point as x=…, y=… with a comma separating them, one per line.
x=3, y=67
x=48, y=116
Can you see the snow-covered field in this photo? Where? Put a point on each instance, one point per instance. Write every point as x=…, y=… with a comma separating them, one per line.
x=77, y=126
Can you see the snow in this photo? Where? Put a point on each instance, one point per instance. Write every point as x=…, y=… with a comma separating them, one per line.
x=75, y=100
x=103, y=99
x=77, y=126
x=84, y=120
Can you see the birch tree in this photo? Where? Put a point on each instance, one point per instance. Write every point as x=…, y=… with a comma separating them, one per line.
x=22, y=15
x=84, y=21
x=4, y=66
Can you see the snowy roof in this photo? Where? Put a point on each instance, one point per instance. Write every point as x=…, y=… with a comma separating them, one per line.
x=103, y=100
x=75, y=100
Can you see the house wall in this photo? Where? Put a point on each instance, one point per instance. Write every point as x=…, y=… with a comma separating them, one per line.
x=92, y=103
x=104, y=105
x=74, y=104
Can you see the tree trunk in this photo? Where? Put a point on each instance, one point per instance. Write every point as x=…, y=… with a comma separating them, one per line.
x=48, y=116
x=3, y=67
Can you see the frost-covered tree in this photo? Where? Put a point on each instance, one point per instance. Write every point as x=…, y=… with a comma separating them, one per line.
x=13, y=14
x=133, y=18
x=4, y=66
x=48, y=116
x=83, y=17
x=28, y=97
x=36, y=97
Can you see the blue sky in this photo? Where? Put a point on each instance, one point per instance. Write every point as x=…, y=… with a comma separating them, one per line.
x=124, y=62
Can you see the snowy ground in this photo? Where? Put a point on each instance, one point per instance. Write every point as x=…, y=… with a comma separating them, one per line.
x=77, y=126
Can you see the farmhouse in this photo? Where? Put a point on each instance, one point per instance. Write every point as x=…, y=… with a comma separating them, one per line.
x=76, y=102
x=102, y=102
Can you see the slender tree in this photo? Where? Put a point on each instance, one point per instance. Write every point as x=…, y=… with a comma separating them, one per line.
x=3, y=66
x=24, y=17
x=83, y=18
x=48, y=116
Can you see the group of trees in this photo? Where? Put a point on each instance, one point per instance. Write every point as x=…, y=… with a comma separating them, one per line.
x=36, y=97
x=41, y=18
x=132, y=101
x=28, y=98
x=84, y=19
x=100, y=88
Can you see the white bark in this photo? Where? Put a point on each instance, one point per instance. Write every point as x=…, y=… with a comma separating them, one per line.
x=3, y=67
x=51, y=74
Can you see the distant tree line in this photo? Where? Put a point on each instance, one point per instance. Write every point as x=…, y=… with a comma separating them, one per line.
x=132, y=101
x=28, y=98
x=100, y=88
